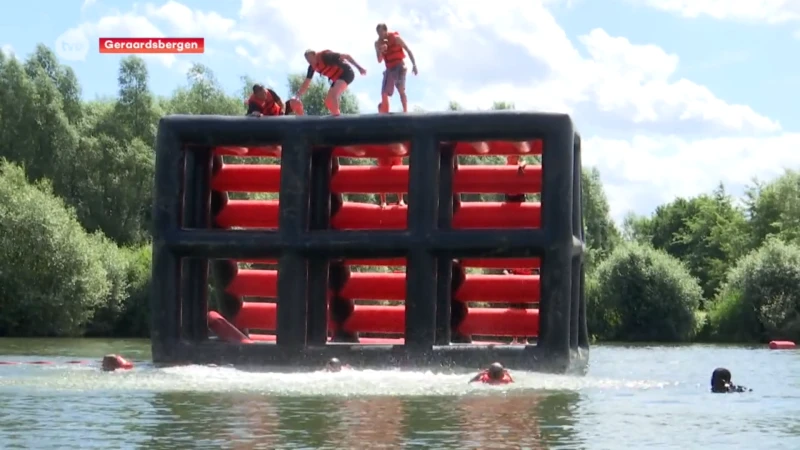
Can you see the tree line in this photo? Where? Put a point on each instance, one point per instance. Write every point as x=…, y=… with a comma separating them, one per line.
x=76, y=182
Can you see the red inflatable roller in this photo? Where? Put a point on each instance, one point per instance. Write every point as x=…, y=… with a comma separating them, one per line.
x=272, y=150
x=366, y=216
x=376, y=319
x=363, y=340
x=376, y=180
x=225, y=330
x=360, y=286
x=485, y=263
x=500, y=288
x=782, y=345
x=501, y=322
x=499, y=148
x=471, y=215
x=391, y=319
x=468, y=179
x=254, y=283
x=249, y=214
x=259, y=316
x=373, y=151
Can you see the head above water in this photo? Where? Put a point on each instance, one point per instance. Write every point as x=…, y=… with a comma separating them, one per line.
x=720, y=380
x=496, y=371
x=334, y=365
x=382, y=30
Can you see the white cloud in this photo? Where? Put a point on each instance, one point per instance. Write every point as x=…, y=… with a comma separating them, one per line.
x=8, y=50
x=750, y=11
x=643, y=172
x=87, y=3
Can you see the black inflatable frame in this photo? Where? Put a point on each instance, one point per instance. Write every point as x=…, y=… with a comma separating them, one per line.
x=184, y=242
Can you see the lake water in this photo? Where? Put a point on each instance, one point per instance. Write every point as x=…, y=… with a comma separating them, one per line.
x=632, y=398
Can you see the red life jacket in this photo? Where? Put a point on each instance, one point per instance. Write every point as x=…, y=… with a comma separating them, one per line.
x=268, y=106
x=394, y=54
x=485, y=379
x=333, y=71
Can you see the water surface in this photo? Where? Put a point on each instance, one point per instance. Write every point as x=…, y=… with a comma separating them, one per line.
x=633, y=397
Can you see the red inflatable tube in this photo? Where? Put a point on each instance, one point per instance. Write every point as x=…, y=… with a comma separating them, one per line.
x=486, y=263
x=499, y=148
x=366, y=216
x=268, y=151
x=499, y=288
x=782, y=345
x=376, y=180
x=389, y=150
x=501, y=322
x=254, y=283
x=225, y=331
x=391, y=319
x=392, y=286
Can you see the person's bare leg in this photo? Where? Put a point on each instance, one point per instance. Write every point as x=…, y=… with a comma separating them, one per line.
x=403, y=98
x=334, y=94
x=383, y=200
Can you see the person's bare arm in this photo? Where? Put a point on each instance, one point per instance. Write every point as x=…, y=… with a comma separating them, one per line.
x=378, y=51
x=352, y=61
x=306, y=83
x=410, y=53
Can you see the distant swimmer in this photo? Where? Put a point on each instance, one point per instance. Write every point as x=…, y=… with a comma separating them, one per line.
x=495, y=374
x=334, y=365
x=116, y=362
x=721, y=382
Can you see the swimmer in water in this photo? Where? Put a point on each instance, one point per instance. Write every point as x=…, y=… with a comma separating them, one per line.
x=115, y=362
x=721, y=382
x=334, y=365
x=495, y=374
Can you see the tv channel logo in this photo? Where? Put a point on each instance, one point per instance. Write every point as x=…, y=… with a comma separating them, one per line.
x=72, y=45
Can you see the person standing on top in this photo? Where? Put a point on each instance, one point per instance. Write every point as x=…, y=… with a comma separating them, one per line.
x=391, y=49
x=335, y=66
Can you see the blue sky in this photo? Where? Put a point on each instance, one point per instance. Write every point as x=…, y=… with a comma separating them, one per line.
x=671, y=96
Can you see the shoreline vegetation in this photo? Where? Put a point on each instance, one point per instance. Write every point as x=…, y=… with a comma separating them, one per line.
x=75, y=195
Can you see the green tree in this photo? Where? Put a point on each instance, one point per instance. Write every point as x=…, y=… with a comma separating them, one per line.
x=51, y=277
x=602, y=235
x=706, y=232
x=760, y=299
x=642, y=294
x=203, y=95
x=774, y=209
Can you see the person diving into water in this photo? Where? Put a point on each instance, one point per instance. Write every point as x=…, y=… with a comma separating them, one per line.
x=494, y=374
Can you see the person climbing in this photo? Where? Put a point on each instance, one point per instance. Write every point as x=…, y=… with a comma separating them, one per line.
x=112, y=362
x=335, y=365
x=335, y=66
x=721, y=382
x=495, y=374
x=391, y=50
x=264, y=102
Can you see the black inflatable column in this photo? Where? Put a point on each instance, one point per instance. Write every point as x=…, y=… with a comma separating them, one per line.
x=444, y=265
x=196, y=214
x=322, y=170
x=340, y=308
x=458, y=309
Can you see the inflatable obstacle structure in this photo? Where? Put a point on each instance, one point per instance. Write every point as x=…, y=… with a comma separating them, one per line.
x=302, y=272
